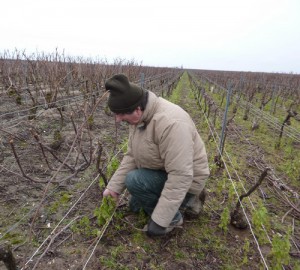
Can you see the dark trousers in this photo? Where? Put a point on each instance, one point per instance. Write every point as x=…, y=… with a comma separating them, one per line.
x=145, y=187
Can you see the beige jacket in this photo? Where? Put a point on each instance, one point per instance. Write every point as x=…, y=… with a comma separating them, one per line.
x=169, y=142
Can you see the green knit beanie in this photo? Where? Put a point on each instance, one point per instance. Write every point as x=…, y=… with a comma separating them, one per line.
x=124, y=96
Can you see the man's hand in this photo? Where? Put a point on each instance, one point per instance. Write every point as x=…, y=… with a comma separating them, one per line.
x=108, y=192
x=155, y=230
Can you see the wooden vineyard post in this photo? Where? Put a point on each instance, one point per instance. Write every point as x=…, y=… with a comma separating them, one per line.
x=224, y=125
x=142, y=80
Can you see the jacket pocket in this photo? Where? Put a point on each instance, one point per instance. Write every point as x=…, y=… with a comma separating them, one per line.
x=148, y=155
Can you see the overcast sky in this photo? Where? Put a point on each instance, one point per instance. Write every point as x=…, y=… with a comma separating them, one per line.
x=253, y=35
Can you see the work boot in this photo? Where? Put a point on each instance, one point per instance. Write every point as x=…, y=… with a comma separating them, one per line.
x=153, y=229
x=176, y=222
x=192, y=204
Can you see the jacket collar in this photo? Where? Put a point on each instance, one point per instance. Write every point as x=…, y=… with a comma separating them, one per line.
x=149, y=110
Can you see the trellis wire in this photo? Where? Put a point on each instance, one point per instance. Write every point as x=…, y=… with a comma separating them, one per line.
x=250, y=226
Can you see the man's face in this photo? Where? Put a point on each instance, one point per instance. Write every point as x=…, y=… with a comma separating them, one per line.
x=131, y=118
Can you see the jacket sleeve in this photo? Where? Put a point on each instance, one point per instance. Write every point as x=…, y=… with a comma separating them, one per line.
x=201, y=168
x=176, y=148
x=117, y=181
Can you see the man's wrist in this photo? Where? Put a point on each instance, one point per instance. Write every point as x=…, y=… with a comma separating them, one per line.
x=108, y=192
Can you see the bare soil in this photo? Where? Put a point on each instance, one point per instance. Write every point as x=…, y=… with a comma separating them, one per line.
x=35, y=217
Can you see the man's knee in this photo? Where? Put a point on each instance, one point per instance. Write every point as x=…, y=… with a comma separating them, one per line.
x=131, y=180
x=145, y=180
